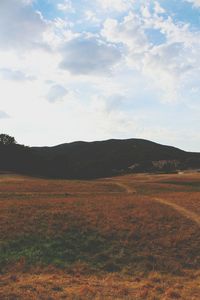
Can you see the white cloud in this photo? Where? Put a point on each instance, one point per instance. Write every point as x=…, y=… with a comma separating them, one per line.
x=196, y=3
x=3, y=115
x=66, y=6
x=158, y=8
x=89, y=56
x=145, y=69
x=104, y=118
x=20, y=25
x=56, y=93
x=165, y=66
x=17, y=75
x=91, y=16
x=128, y=32
x=116, y=5
x=145, y=11
x=176, y=60
x=169, y=64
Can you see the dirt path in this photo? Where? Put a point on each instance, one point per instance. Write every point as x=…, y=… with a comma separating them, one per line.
x=183, y=211
x=125, y=186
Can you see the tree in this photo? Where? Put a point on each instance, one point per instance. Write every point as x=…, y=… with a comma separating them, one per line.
x=6, y=139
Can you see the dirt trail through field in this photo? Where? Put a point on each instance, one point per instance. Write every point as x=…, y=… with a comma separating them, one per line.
x=125, y=186
x=181, y=210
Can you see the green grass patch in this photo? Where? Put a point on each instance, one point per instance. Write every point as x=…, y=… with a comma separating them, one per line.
x=66, y=249
x=90, y=248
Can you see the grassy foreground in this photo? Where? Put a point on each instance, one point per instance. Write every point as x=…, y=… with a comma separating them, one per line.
x=131, y=237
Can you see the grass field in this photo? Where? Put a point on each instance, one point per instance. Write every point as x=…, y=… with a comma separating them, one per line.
x=130, y=237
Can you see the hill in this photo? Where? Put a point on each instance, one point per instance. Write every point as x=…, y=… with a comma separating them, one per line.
x=84, y=160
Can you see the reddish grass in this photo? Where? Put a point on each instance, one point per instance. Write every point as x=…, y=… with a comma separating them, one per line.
x=155, y=248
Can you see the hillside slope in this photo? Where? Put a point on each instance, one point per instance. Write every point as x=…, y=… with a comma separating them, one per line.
x=112, y=157
x=84, y=160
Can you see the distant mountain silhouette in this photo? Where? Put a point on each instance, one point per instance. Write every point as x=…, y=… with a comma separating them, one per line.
x=87, y=160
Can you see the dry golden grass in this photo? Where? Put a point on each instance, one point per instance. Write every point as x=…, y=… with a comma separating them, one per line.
x=55, y=284
x=101, y=239
x=190, y=201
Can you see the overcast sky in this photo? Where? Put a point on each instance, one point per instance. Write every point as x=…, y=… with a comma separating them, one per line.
x=100, y=69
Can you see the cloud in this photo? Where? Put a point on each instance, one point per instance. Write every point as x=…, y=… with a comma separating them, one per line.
x=3, y=115
x=66, y=6
x=176, y=61
x=108, y=104
x=15, y=75
x=91, y=17
x=151, y=53
x=128, y=32
x=104, y=116
x=168, y=64
x=158, y=8
x=196, y=3
x=115, y=5
x=56, y=93
x=84, y=56
x=20, y=25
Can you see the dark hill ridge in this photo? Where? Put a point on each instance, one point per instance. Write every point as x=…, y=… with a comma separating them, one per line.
x=112, y=157
x=87, y=160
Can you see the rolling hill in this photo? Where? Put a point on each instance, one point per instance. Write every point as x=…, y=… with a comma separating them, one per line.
x=84, y=160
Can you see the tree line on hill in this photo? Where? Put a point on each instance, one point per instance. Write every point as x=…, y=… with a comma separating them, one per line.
x=15, y=157
x=82, y=160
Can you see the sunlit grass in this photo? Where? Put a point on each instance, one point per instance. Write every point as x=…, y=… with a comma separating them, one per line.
x=96, y=230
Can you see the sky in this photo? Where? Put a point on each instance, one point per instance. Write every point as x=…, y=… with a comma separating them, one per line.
x=101, y=69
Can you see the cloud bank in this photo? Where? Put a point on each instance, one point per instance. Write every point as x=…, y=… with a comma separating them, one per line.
x=89, y=56
x=21, y=26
